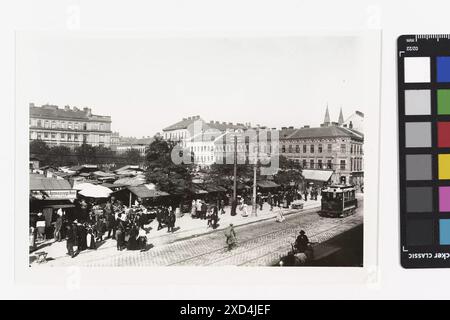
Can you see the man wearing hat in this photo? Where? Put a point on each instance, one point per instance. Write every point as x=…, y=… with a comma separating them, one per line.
x=302, y=241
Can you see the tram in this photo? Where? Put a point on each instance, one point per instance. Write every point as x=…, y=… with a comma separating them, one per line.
x=338, y=201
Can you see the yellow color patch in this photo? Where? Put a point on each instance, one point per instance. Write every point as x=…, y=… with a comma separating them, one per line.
x=444, y=167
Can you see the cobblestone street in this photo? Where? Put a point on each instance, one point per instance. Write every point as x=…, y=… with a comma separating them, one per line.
x=259, y=244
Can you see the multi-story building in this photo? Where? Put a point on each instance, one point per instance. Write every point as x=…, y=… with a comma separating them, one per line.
x=140, y=145
x=332, y=146
x=115, y=140
x=178, y=132
x=204, y=144
x=69, y=127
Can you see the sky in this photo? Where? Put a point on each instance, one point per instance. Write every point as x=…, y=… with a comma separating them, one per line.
x=148, y=83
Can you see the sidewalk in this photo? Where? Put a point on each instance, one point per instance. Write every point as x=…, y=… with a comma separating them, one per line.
x=185, y=228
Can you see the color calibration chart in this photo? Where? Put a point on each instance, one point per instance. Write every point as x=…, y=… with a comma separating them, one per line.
x=424, y=150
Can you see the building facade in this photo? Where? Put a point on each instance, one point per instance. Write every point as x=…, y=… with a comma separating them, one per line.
x=70, y=127
x=140, y=145
x=332, y=146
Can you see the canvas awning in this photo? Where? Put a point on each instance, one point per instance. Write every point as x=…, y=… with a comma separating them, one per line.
x=96, y=191
x=317, y=175
x=38, y=182
x=144, y=192
x=198, y=190
x=267, y=184
x=130, y=181
x=213, y=188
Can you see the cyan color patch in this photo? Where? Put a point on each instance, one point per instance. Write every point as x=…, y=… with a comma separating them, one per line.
x=443, y=69
x=444, y=231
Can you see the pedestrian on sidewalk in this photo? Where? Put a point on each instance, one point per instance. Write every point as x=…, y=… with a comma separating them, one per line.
x=160, y=217
x=260, y=201
x=110, y=222
x=142, y=239
x=171, y=221
x=204, y=208
x=209, y=217
x=100, y=228
x=120, y=233
x=58, y=226
x=222, y=206
x=70, y=240
x=193, y=209
x=90, y=239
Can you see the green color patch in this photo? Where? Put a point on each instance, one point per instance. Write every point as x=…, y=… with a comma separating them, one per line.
x=443, y=101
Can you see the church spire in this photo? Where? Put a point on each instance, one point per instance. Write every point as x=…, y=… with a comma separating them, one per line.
x=327, y=120
x=341, y=118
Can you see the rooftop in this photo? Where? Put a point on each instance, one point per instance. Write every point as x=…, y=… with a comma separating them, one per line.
x=324, y=132
x=48, y=111
x=183, y=124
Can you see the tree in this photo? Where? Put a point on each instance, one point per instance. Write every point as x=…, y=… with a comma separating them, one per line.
x=86, y=153
x=60, y=155
x=163, y=172
x=40, y=149
x=133, y=156
x=103, y=155
x=289, y=172
x=223, y=174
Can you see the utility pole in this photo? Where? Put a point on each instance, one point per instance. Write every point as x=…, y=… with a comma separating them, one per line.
x=255, y=168
x=255, y=205
x=234, y=202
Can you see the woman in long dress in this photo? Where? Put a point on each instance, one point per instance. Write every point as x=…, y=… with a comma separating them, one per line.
x=280, y=216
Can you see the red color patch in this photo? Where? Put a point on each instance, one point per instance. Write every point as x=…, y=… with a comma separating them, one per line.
x=444, y=134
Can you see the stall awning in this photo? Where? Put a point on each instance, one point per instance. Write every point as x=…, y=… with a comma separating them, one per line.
x=267, y=184
x=144, y=192
x=317, y=175
x=198, y=190
x=213, y=188
x=57, y=206
x=42, y=183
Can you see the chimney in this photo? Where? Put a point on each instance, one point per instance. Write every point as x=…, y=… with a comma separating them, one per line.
x=211, y=122
x=283, y=128
x=306, y=126
x=67, y=108
x=291, y=127
x=350, y=125
x=217, y=122
x=184, y=119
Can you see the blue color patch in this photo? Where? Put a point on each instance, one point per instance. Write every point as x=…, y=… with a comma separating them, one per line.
x=443, y=69
x=444, y=231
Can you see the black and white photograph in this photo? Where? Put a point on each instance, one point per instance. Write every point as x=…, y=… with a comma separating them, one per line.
x=194, y=151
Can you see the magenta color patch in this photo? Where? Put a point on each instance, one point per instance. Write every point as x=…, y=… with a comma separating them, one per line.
x=444, y=199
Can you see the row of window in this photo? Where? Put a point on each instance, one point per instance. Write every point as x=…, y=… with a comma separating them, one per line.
x=320, y=164
x=230, y=148
x=356, y=149
x=61, y=136
x=312, y=148
x=356, y=164
x=67, y=125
